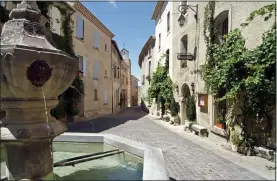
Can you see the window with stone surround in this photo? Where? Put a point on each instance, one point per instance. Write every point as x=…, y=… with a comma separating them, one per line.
x=95, y=95
x=80, y=27
x=168, y=21
x=96, y=40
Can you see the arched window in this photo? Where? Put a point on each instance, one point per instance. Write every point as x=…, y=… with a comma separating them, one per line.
x=221, y=26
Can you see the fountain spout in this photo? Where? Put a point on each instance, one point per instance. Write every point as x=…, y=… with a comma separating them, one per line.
x=33, y=74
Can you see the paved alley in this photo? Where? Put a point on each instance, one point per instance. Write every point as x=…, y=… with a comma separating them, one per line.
x=184, y=159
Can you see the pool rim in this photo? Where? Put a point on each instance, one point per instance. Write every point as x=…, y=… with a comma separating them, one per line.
x=153, y=160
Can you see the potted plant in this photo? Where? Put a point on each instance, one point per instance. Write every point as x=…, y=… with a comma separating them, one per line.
x=220, y=122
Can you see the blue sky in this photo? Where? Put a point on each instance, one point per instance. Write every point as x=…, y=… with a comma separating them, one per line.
x=129, y=21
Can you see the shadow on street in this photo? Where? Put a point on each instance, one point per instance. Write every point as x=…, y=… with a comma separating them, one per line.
x=104, y=123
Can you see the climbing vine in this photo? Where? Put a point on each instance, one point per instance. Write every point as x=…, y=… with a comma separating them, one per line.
x=247, y=75
x=161, y=85
x=209, y=31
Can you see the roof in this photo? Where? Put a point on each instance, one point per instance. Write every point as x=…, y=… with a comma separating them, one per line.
x=125, y=49
x=85, y=12
x=117, y=49
x=157, y=9
x=134, y=77
x=150, y=41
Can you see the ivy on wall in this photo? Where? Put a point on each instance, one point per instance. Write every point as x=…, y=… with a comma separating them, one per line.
x=161, y=85
x=247, y=75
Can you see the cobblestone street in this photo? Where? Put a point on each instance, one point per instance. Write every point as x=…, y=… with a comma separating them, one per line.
x=184, y=159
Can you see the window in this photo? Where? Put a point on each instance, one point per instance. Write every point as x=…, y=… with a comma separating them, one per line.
x=114, y=72
x=160, y=41
x=96, y=69
x=80, y=28
x=105, y=96
x=106, y=75
x=184, y=49
x=95, y=95
x=184, y=44
x=106, y=47
x=82, y=64
x=149, y=68
x=149, y=52
x=225, y=27
x=168, y=21
x=117, y=96
x=96, y=40
x=126, y=81
x=118, y=74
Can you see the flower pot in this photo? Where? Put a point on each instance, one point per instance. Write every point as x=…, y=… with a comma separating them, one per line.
x=221, y=126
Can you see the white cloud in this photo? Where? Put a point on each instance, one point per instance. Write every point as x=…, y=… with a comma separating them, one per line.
x=112, y=2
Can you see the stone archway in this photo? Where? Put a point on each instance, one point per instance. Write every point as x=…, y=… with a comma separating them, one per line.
x=185, y=92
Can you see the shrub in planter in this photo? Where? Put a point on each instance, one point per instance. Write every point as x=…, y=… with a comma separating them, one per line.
x=173, y=108
x=177, y=120
x=167, y=118
x=191, y=109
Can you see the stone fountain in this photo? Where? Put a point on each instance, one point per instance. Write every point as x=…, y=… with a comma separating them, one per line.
x=33, y=74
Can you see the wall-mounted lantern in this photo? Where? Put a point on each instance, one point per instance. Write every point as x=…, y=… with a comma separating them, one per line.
x=183, y=9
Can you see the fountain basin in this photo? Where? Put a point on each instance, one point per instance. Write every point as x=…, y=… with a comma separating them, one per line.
x=139, y=161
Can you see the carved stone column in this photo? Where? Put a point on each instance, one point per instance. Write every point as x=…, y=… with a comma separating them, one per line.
x=33, y=74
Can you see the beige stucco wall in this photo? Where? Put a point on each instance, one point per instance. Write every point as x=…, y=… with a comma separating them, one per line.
x=116, y=63
x=85, y=49
x=134, y=90
x=238, y=12
x=124, y=71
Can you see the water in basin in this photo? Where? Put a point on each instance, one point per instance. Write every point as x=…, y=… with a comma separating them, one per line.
x=117, y=167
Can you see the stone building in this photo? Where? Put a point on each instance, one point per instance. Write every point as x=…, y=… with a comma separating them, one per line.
x=134, y=90
x=187, y=39
x=93, y=45
x=127, y=60
x=124, y=71
x=146, y=57
x=116, y=66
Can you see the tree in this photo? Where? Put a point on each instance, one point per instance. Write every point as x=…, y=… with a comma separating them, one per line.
x=161, y=87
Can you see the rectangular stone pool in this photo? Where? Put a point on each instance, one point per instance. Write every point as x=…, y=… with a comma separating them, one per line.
x=123, y=166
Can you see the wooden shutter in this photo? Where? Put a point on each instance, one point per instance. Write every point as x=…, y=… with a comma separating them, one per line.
x=96, y=70
x=96, y=39
x=106, y=97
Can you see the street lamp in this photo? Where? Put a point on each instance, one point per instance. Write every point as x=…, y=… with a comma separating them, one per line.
x=183, y=9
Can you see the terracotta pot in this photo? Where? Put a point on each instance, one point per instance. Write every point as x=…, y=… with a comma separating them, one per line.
x=219, y=125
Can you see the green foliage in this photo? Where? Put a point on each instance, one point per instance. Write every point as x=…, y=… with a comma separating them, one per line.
x=248, y=76
x=173, y=107
x=266, y=11
x=68, y=101
x=161, y=85
x=191, y=109
x=220, y=119
x=209, y=30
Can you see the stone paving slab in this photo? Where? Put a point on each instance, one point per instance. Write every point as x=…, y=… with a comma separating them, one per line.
x=184, y=159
